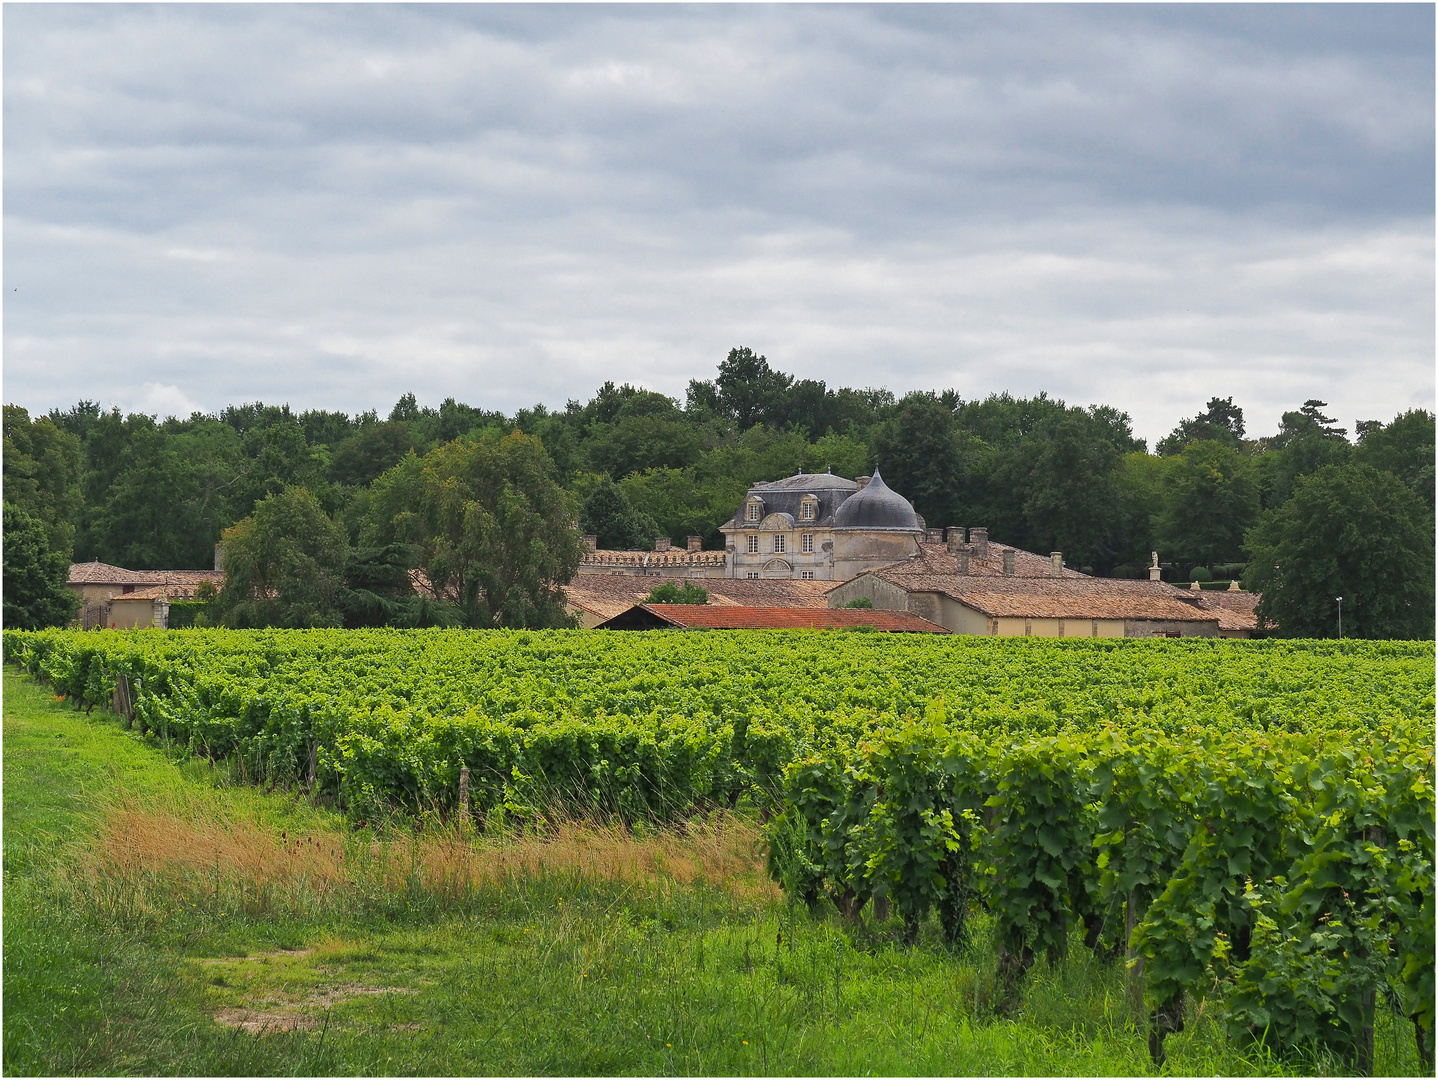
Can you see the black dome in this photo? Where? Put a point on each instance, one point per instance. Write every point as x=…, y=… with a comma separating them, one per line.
x=876, y=506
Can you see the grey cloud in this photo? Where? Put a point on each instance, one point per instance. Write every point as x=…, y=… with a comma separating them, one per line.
x=1141, y=205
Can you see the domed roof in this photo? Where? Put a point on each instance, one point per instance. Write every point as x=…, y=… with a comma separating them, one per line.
x=876, y=506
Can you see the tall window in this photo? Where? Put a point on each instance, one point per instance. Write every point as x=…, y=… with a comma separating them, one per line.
x=806, y=545
x=753, y=511
x=806, y=512
x=753, y=545
x=779, y=544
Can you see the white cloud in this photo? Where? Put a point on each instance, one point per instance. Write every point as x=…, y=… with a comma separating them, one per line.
x=163, y=401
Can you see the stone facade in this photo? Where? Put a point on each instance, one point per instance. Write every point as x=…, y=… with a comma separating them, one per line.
x=819, y=526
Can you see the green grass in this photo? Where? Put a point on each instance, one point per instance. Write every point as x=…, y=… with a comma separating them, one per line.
x=119, y=963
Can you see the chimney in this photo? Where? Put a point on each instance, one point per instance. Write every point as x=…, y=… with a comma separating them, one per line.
x=934, y=536
x=980, y=539
x=661, y=543
x=591, y=541
x=696, y=543
x=1154, y=573
x=1009, y=562
x=955, y=537
x=1056, y=564
x=962, y=555
x=864, y=482
x=219, y=557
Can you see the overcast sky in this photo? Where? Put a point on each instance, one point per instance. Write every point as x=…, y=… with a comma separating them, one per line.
x=332, y=205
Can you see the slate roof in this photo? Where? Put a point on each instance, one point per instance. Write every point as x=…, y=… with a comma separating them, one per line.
x=1061, y=598
x=98, y=573
x=784, y=496
x=724, y=617
x=606, y=597
x=877, y=506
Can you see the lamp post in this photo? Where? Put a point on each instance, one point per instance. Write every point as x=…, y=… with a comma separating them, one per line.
x=1340, y=618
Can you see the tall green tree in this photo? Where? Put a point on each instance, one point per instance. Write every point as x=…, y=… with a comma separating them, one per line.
x=284, y=565
x=1306, y=442
x=1065, y=478
x=42, y=466
x=1210, y=501
x=361, y=458
x=927, y=458
x=158, y=496
x=495, y=530
x=750, y=391
x=610, y=516
x=1404, y=448
x=636, y=443
x=35, y=574
x=1221, y=421
x=1349, y=531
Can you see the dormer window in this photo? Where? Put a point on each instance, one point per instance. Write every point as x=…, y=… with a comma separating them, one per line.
x=806, y=510
x=756, y=511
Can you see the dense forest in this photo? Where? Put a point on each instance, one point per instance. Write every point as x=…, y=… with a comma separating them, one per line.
x=147, y=493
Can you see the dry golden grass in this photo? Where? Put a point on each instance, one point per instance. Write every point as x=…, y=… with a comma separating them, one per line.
x=137, y=841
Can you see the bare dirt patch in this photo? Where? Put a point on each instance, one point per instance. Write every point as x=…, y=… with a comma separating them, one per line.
x=291, y=1013
x=259, y=1023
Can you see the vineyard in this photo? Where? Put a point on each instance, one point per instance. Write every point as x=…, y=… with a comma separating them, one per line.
x=1246, y=820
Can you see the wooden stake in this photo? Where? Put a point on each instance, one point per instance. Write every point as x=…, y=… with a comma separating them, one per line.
x=1133, y=976
x=463, y=797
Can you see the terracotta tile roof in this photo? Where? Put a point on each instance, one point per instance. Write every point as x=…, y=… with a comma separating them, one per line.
x=1235, y=610
x=935, y=559
x=1060, y=598
x=98, y=573
x=608, y=596
x=158, y=592
x=729, y=617
x=779, y=592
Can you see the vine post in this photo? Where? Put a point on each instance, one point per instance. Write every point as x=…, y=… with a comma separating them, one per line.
x=1133, y=972
x=463, y=799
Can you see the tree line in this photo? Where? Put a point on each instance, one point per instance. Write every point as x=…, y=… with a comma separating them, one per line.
x=481, y=504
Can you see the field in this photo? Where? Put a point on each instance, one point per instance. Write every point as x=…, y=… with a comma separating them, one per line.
x=608, y=907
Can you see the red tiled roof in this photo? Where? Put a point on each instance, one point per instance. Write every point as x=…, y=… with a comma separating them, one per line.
x=606, y=597
x=1060, y=598
x=1235, y=610
x=158, y=592
x=733, y=617
x=98, y=573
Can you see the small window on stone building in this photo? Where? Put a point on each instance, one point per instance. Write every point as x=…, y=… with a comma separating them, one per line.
x=807, y=544
x=779, y=544
x=753, y=545
x=807, y=575
x=752, y=575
